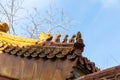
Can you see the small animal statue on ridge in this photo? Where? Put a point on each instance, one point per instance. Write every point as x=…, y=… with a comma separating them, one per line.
x=65, y=39
x=57, y=40
x=4, y=27
x=45, y=37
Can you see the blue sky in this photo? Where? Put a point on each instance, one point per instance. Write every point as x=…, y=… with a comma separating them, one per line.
x=98, y=21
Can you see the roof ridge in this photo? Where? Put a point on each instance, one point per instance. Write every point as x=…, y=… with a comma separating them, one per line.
x=20, y=46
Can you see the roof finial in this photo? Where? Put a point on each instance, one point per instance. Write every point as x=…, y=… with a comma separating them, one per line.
x=4, y=27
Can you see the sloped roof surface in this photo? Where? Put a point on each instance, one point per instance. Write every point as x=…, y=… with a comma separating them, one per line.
x=107, y=74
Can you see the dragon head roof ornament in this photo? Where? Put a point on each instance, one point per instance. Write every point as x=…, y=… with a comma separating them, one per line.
x=45, y=37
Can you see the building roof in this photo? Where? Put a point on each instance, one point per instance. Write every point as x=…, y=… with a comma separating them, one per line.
x=112, y=73
x=30, y=59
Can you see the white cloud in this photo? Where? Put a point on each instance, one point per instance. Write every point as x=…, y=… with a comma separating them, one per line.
x=110, y=3
x=36, y=3
x=107, y=3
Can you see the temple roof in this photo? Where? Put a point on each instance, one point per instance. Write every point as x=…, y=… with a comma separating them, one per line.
x=66, y=56
x=112, y=73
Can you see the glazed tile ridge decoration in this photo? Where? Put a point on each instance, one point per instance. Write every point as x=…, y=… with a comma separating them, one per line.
x=44, y=47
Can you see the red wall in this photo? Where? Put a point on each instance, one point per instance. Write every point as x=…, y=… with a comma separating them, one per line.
x=2, y=78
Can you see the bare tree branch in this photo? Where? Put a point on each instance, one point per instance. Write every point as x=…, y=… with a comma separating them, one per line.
x=9, y=12
x=51, y=20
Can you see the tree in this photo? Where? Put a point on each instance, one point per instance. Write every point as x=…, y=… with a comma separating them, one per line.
x=54, y=19
x=8, y=12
